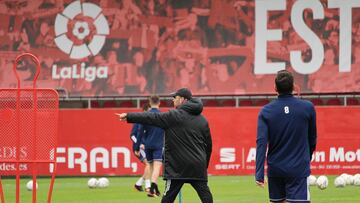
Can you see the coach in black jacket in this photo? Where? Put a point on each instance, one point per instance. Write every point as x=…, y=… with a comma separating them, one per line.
x=188, y=144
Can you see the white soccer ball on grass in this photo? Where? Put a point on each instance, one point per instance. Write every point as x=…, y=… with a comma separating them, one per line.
x=357, y=179
x=29, y=185
x=344, y=175
x=322, y=182
x=312, y=180
x=339, y=182
x=103, y=182
x=350, y=180
x=92, y=183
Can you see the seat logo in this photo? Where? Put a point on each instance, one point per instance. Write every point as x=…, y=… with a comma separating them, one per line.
x=81, y=30
x=227, y=155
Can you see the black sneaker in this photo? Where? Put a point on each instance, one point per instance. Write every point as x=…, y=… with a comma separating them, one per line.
x=154, y=191
x=138, y=188
x=153, y=194
x=157, y=192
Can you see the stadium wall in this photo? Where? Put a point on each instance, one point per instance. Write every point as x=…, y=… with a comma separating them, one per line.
x=95, y=142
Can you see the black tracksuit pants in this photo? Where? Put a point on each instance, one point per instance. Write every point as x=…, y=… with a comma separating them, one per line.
x=172, y=188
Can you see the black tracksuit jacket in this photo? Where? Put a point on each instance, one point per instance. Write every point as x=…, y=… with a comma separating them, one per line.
x=188, y=143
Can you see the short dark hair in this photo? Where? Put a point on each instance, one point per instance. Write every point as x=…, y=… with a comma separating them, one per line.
x=284, y=82
x=154, y=100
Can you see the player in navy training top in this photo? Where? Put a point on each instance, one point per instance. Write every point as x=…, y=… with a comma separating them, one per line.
x=154, y=143
x=287, y=127
x=136, y=135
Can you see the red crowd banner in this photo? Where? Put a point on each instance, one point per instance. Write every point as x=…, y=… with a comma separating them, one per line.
x=133, y=47
x=95, y=142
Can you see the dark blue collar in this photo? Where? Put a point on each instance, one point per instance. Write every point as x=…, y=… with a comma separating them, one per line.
x=285, y=95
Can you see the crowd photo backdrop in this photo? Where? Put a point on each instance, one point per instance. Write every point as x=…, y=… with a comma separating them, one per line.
x=138, y=47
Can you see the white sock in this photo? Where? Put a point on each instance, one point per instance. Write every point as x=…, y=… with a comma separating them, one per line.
x=140, y=181
x=147, y=183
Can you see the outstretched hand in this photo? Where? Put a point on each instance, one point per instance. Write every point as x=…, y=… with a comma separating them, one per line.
x=122, y=116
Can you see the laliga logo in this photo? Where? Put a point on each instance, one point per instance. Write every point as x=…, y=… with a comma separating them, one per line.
x=81, y=30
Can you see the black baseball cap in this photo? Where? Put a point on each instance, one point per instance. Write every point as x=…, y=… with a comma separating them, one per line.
x=183, y=92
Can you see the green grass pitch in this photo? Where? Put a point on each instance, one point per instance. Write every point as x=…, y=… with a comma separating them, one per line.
x=226, y=189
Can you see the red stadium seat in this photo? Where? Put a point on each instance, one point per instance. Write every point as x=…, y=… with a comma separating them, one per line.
x=245, y=103
x=8, y=104
x=166, y=103
x=210, y=102
x=26, y=104
x=317, y=101
x=334, y=102
x=109, y=104
x=261, y=102
x=95, y=104
x=127, y=104
x=352, y=101
x=228, y=102
x=143, y=102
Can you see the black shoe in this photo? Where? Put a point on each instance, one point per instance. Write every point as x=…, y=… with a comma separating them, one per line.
x=154, y=191
x=157, y=192
x=153, y=194
x=138, y=188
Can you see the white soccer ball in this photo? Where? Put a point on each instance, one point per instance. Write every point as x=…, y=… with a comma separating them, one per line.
x=344, y=175
x=349, y=180
x=92, y=183
x=29, y=185
x=322, y=182
x=103, y=182
x=312, y=180
x=339, y=182
x=357, y=179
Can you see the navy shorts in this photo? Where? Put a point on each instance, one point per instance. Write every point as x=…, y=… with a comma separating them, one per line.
x=142, y=156
x=153, y=155
x=291, y=189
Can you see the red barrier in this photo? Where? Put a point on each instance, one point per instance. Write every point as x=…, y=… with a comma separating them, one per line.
x=94, y=142
x=28, y=130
